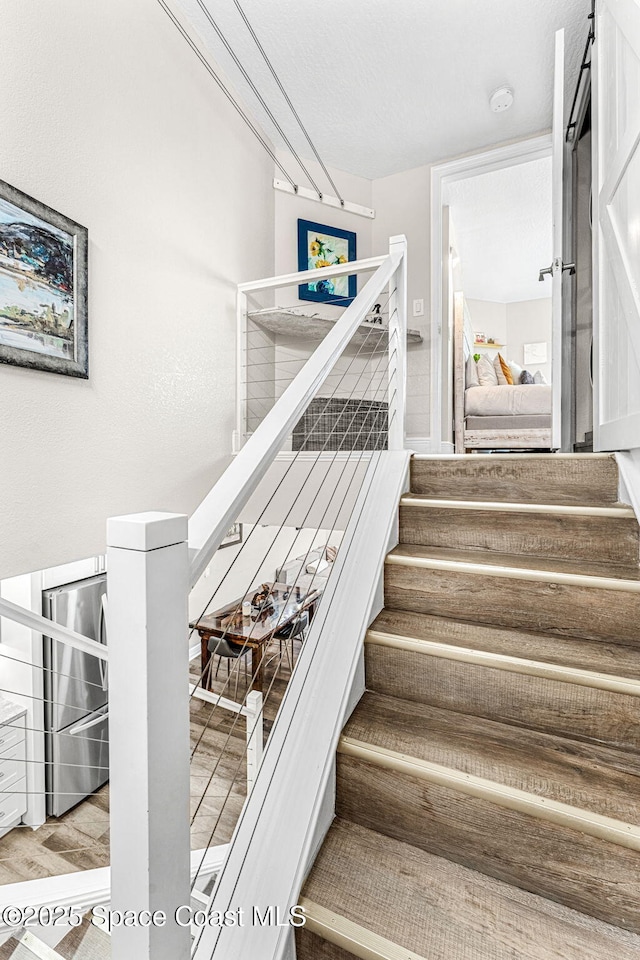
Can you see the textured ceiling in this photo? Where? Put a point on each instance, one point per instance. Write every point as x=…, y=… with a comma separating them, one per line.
x=502, y=226
x=387, y=85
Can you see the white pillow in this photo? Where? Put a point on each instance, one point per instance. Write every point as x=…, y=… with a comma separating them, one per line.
x=539, y=377
x=497, y=366
x=486, y=372
x=471, y=373
x=516, y=370
x=316, y=566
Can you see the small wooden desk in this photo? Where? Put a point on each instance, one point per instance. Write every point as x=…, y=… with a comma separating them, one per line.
x=286, y=604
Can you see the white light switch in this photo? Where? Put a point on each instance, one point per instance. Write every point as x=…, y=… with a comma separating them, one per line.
x=418, y=308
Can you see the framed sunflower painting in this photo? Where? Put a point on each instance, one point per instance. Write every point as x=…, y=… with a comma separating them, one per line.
x=322, y=246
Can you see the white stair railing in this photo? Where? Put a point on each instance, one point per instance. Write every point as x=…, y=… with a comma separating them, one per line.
x=153, y=561
x=149, y=582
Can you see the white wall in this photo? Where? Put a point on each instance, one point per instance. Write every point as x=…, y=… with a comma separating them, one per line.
x=490, y=318
x=402, y=205
x=109, y=118
x=529, y=321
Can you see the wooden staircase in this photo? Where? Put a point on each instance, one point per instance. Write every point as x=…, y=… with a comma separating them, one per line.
x=488, y=782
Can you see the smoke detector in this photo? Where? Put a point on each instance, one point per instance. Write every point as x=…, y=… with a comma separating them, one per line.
x=501, y=99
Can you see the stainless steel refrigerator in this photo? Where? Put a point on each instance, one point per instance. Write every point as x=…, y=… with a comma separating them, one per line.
x=76, y=697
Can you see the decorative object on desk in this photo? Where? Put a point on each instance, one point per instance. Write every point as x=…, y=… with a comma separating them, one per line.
x=234, y=619
x=233, y=536
x=535, y=353
x=375, y=316
x=322, y=246
x=43, y=287
x=262, y=604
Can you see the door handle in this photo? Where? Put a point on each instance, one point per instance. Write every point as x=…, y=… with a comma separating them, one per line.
x=87, y=724
x=547, y=271
x=102, y=637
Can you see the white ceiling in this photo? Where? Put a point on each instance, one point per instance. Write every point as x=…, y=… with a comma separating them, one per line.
x=388, y=85
x=503, y=232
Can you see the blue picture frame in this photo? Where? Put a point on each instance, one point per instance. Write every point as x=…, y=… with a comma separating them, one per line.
x=322, y=245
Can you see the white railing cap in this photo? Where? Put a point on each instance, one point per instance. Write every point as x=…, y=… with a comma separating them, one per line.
x=147, y=531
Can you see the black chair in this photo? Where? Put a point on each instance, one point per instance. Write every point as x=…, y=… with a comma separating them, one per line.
x=229, y=651
x=295, y=628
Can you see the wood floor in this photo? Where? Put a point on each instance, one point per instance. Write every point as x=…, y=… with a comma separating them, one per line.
x=79, y=840
x=488, y=782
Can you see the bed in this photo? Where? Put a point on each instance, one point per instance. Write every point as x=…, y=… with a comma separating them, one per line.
x=496, y=417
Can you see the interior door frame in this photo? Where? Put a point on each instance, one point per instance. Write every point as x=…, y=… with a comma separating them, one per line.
x=443, y=174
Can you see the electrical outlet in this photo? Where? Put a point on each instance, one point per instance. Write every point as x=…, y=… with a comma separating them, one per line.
x=418, y=308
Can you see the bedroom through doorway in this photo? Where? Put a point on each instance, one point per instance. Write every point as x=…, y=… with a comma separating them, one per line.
x=492, y=242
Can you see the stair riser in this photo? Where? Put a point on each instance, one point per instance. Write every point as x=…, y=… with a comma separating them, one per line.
x=565, y=609
x=595, y=539
x=552, y=706
x=519, y=480
x=582, y=872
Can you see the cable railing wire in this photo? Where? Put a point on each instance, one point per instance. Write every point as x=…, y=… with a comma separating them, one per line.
x=283, y=524
x=279, y=485
x=286, y=97
x=256, y=92
x=203, y=60
x=290, y=467
x=350, y=482
x=313, y=655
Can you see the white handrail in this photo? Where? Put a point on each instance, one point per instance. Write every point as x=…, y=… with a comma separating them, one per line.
x=303, y=276
x=220, y=508
x=291, y=804
x=50, y=629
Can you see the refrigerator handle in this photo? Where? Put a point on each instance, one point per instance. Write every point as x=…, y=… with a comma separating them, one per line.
x=102, y=638
x=102, y=714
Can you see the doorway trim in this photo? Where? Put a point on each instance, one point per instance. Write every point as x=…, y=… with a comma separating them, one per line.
x=442, y=174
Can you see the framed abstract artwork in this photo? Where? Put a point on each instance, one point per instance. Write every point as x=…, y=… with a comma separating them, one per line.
x=322, y=246
x=43, y=287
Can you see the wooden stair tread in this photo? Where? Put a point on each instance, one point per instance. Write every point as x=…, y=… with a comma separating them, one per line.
x=583, y=775
x=515, y=561
x=574, y=652
x=445, y=911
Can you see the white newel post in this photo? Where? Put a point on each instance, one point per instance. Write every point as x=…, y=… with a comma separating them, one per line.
x=398, y=346
x=147, y=565
x=255, y=736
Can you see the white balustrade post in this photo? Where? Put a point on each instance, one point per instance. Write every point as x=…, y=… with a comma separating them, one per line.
x=398, y=346
x=147, y=563
x=255, y=737
x=242, y=361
